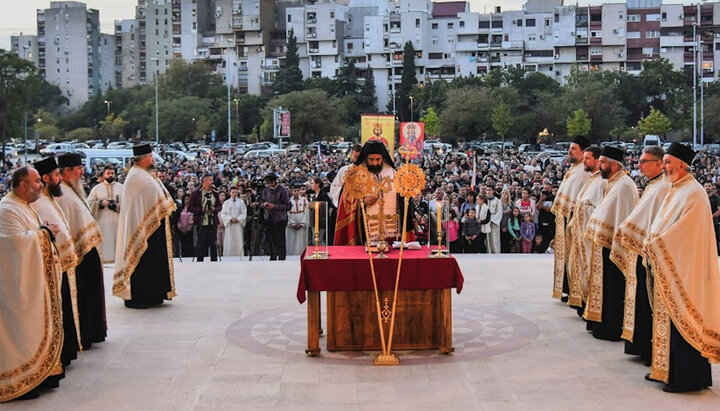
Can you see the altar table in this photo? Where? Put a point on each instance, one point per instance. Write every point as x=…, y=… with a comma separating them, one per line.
x=424, y=307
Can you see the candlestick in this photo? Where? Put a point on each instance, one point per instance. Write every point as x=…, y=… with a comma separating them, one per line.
x=317, y=214
x=439, y=217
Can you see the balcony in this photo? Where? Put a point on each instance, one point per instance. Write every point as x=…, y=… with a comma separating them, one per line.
x=596, y=41
x=596, y=58
x=313, y=50
x=582, y=57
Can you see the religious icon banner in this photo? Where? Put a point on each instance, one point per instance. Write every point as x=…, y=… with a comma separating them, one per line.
x=412, y=134
x=378, y=127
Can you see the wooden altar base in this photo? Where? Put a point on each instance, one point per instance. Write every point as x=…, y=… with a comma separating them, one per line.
x=423, y=320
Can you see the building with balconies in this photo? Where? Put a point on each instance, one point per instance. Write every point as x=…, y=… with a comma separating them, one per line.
x=26, y=47
x=127, y=53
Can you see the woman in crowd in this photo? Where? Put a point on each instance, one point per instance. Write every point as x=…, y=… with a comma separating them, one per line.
x=507, y=206
x=185, y=226
x=452, y=228
x=526, y=204
x=514, y=230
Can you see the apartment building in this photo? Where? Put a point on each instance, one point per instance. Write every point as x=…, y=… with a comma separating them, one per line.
x=69, y=50
x=25, y=46
x=127, y=53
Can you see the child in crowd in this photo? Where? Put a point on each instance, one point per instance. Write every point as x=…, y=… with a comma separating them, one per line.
x=527, y=232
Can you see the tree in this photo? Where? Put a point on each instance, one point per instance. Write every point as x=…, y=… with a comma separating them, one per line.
x=431, y=94
x=367, y=101
x=467, y=113
x=289, y=77
x=185, y=78
x=578, y=124
x=712, y=116
x=112, y=126
x=328, y=85
x=347, y=79
x=80, y=134
x=176, y=117
x=14, y=93
x=314, y=115
x=502, y=121
x=407, y=82
x=655, y=123
x=432, y=124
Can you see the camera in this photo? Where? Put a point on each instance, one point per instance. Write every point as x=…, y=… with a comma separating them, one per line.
x=113, y=205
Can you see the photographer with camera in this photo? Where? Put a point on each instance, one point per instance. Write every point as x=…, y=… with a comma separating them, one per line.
x=104, y=201
x=276, y=202
x=206, y=206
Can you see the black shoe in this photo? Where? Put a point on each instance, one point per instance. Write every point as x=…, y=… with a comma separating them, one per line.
x=131, y=304
x=647, y=377
x=564, y=298
x=676, y=390
x=30, y=395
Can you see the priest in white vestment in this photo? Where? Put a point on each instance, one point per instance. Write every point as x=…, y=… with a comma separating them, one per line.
x=683, y=258
x=31, y=325
x=233, y=216
x=606, y=291
x=588, y=198
x=492, y=241
x=105, y=200
x=297, y=227
x=573, y=181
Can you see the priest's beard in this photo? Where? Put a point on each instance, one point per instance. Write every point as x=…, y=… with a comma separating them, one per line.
x=570, y=159
x=375, y=169
x=77, y=188
x=605, y=173
x=55, y=190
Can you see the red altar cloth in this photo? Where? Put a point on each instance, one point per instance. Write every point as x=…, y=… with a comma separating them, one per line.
x=348, y=269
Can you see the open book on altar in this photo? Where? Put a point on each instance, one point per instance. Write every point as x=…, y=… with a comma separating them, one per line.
x=412, y=245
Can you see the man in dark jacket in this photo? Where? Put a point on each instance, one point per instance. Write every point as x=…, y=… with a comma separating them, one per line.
x=205, y=206
x=276, y=202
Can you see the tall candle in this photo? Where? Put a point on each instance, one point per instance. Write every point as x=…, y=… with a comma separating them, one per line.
x=317, y=218
x=439, y=218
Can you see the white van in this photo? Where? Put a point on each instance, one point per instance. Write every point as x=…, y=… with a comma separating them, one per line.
x=652, y=140
x=120, y=158
x=270, y=152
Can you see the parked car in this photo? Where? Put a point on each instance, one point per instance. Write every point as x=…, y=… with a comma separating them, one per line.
x=57, y=149
x=432, y=145
x=117, y=145
x=264, y=153
x=10, y=151
x=120, y=158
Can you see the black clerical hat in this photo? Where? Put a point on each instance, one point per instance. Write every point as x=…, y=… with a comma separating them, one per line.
x=45, y=166
x=582, y=142
x=69, y=160
x=142, y=149
x=682, y=152
x=613, y=153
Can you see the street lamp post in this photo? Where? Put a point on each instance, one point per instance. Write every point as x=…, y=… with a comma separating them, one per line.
x=157, y=72
x=108, y=103
x=237, y=116
x=227, y=79
x=37, y=134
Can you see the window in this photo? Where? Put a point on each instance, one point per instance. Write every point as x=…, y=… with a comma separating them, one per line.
x=350, y=46
x=531, y=38
x=557, y=18
x=652, y=34
x=530, y=22
x=450, y=25
x=519, y=22
x=332, y=14
x=417, y=22
x=483, y=24
x=434, y=40
x=634, y=18
x=451, y=39
x=157, y=11
x=289, y=18
x=435, y=56
x=462, y=24
x=652, y=17
x=434, y=26
x=548, y=22
x=633, y=34
x=334, y=43
x=664, y=16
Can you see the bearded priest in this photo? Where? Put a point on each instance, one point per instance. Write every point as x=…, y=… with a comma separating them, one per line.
x=144, y=274
x=628, y=255
x=105, y=200
x=49, y=210
x=31, y=334
x=682, y=251
x=606, y=289
x=87, y=240
x=567, y=193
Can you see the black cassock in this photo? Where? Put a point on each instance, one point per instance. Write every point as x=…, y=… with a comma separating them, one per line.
x=642, y=334
x=150, y=282
x=91, y=299
x=613, y=302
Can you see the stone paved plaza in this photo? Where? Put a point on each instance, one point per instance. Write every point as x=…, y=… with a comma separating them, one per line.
x=234, y=338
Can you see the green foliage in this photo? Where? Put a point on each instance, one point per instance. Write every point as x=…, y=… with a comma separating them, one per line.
x=15, y=93
x=712, y=115
x=176, y=118
x=431, y=94
x=289, y=77
x=408, y=80
x=366, y=100
x=502, y=120
x=432, y=122
x=655, y=123
x=347, y=80
x=112, y=127
x=578, y=124
x=314, y=115
x=325, y=84
x=467, y=114
x=80, y=134
x=183, y=78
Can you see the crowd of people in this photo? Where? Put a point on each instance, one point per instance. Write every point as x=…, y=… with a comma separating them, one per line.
x=520, y=221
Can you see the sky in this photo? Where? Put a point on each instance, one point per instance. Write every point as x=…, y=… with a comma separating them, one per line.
x=19, y=15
